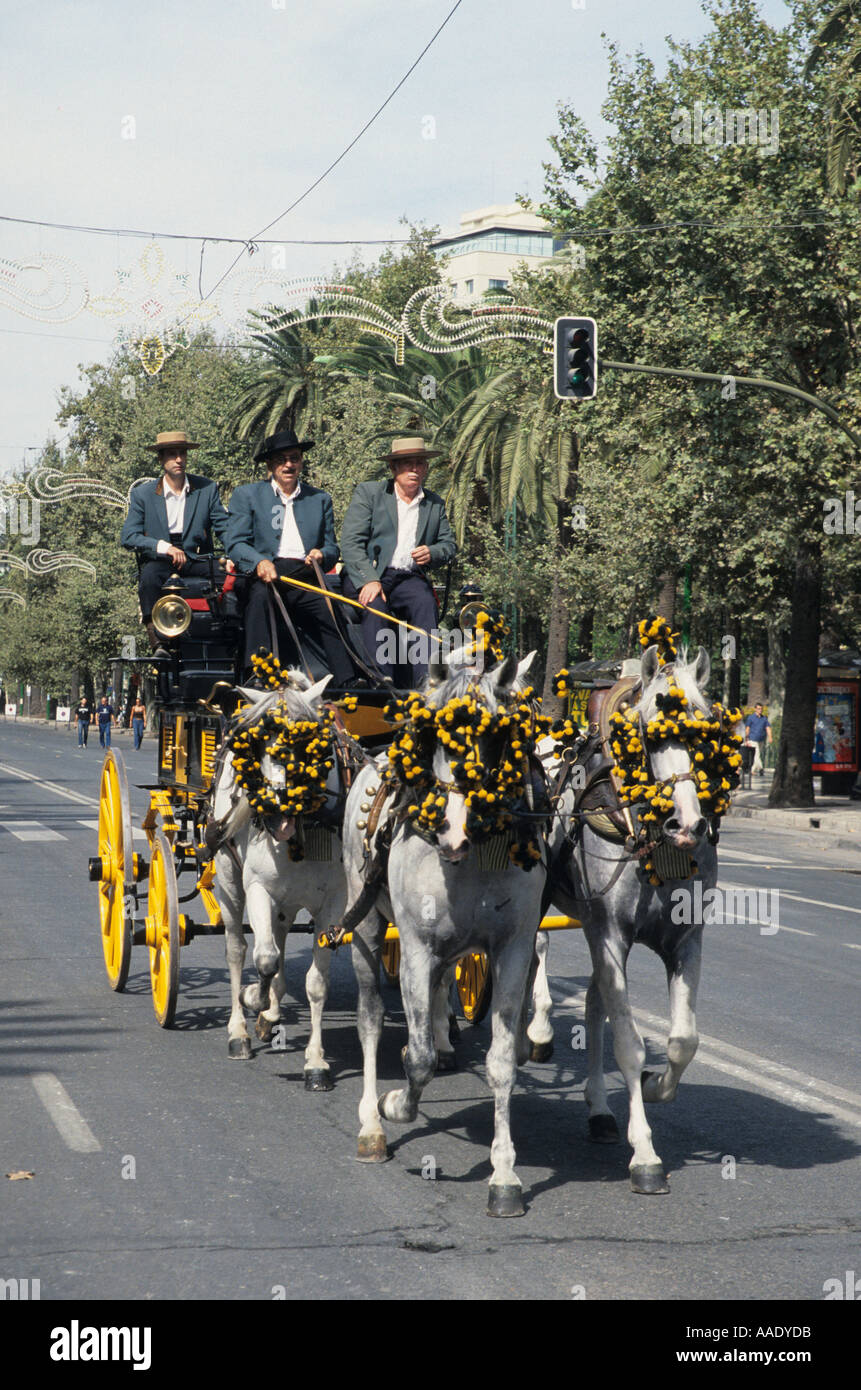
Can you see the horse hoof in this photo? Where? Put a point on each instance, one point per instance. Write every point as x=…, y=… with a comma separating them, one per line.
x=317, y=1079
x=540, y=1052
x=505, y=1200
x=603, y=1129
x=372, y=1148
x=446, y=1061
x=649, y=1179
x=239, y=1049
x=264, y=1027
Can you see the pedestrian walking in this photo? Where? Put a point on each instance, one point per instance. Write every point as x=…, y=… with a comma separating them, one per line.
x=138, y=721
x=106, y=718
x=83, y=718
x=757, y=731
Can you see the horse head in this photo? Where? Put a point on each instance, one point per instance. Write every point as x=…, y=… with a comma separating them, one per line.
x=469, y=755
x=278, y=753
x=671, y=706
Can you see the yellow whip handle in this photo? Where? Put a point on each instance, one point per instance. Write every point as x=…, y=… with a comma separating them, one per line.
x=340, y=598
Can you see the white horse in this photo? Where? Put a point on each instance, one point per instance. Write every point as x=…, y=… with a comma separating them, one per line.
x=601, y=884
x=444, y=904
x=254, y=871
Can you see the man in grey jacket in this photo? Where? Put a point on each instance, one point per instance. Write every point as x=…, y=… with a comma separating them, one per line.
x=393, y=534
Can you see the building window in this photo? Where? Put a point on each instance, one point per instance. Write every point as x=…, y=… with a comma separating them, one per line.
x=497, y=284
x=469, y=286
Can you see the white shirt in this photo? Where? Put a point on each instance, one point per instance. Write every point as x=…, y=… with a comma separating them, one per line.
x=291, y=546
x=408, y=525
x=175, y=503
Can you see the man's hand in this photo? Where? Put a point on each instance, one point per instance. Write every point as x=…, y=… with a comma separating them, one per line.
x=370, y=592
x=176, y=556
x=421, y=555
x=230, y=567
x=266, y=571
x=313, y=555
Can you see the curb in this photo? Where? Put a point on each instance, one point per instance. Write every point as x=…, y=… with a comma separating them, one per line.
x=823, y=823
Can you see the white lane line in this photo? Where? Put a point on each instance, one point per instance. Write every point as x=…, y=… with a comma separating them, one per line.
x=740, y=855
x=853, y=945
x=94, y=825
x=30, y=830
x=48, y=786
x=795, y=897
x=757, y=1072
x=73, y=1128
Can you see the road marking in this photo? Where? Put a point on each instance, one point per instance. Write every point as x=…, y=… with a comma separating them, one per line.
x=741, y=854
x=796, y=897
x=48, y=786
x=853, y=945
x=73, y=1128
x=30, y=830
x=94, y=825
x=787, y=1083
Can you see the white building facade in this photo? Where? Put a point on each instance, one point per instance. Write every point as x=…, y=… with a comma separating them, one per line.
x=491, y=242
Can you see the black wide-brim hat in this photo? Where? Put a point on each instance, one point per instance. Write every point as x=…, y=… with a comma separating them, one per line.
x=284, y=439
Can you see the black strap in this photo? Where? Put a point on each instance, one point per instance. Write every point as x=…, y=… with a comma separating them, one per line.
x=275, y=598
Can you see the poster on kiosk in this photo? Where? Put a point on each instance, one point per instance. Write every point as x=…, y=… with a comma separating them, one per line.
x=835, y=743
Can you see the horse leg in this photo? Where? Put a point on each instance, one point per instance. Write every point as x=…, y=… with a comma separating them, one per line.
x=602, y=1123
x=266, y=956
x=268, y=1018
x=421, y=974
x=446, y=1059
x=366, y=949
x=511, y=969
x=540, y=1030
x=684, y=978
x=317, y=1076
x=231, y=900
x=647, y=1170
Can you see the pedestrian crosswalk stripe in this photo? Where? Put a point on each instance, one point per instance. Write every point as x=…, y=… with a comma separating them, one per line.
x=30, y=830
x=94, y=825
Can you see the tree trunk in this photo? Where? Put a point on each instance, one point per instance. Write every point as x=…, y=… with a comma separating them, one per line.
x=585, y=635
x=776, y=668
x=557, y=650
x=793, y=776
x=735, y=667
x=667, y=598
x=756, y=681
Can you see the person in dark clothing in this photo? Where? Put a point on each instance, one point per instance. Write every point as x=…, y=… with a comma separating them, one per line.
x=106, y=718
x=83, y=718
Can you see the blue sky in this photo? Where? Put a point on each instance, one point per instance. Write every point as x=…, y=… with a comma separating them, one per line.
x=239, y=104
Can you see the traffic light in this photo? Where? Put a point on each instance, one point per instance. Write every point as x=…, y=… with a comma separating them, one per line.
x=575, y=359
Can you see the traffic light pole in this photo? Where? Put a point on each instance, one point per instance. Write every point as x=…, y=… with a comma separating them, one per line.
x=762, y=383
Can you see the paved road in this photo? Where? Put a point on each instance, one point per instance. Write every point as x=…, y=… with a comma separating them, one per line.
x=244, y=1183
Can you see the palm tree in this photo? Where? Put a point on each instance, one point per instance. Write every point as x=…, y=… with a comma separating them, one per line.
x=287, y=390
x=844, y=85
x=514, y=443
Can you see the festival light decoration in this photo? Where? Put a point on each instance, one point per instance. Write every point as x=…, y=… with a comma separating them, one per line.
x=44, y=287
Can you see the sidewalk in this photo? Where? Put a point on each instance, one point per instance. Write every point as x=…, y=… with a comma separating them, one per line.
x=834, y=816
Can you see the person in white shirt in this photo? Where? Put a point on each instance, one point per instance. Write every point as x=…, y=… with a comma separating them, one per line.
x=171, y=522
x=394, y=532
x=279, y=528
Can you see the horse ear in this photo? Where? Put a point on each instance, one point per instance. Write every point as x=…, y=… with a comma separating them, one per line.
x=703, y=668
x=649, y=664
x=505, y=675
x=254, y=697
x=524, y=665
x=437, y=673
x=314, y=692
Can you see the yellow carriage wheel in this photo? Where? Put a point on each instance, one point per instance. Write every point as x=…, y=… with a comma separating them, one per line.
x=391, y=959
x=474, y=985
x=116, y=880
x=163, y=930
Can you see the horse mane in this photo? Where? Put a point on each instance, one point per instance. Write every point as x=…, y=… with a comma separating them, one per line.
x=467, y=679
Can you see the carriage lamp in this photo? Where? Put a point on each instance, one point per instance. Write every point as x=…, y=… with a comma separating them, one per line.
x=171, y=615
